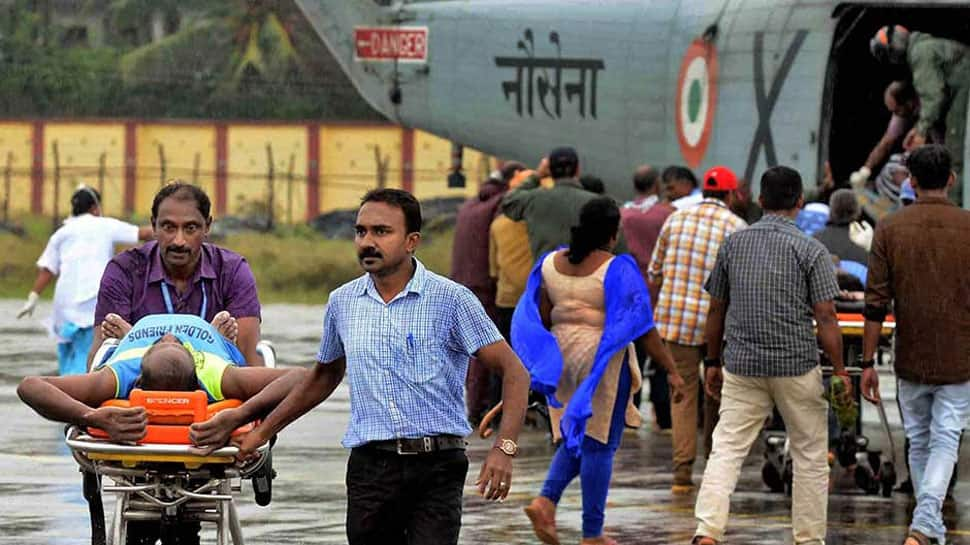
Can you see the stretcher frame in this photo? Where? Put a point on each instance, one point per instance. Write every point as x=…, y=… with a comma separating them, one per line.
x=852, y=326
x=166, y=482
x=161, y=482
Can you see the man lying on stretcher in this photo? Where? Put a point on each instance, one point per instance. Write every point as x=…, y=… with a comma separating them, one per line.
x=175, y=352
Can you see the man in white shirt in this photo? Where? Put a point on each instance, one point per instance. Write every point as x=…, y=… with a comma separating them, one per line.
x=681, y=187
x=77, y=254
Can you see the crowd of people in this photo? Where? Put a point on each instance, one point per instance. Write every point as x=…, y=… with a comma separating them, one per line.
x=564, y=292
x=705, y=271
x=723, y=303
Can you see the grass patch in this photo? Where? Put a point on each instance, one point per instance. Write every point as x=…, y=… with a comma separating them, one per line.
x=18, y=265
x=291, y=265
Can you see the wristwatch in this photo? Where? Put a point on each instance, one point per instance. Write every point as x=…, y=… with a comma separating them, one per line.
x=508, y=447
x=867, y=364
x=712, y=362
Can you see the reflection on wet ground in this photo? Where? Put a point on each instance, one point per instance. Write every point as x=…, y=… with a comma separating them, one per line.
x=42, y=502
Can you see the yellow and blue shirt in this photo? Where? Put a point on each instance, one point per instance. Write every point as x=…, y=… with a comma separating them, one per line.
x=212, y=352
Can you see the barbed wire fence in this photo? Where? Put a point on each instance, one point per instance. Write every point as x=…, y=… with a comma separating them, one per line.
x=266, y=193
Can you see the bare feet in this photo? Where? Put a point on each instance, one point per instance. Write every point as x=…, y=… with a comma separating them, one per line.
x=542, y=514
x=114, y=327
x=226, y=325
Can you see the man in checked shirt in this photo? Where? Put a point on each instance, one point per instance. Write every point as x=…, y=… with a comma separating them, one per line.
x=768, y=283
x=682, y=260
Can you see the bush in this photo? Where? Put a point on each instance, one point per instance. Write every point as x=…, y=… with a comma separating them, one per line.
x=304, y=267
x=292, y=264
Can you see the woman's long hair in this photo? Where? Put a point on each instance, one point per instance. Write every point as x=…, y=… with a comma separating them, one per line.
x=599, y=221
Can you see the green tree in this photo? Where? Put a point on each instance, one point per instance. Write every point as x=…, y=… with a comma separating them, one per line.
x=39, y=78
x=255, y=59
x=242, y=59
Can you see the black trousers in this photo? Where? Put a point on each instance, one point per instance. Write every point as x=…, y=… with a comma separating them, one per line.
x=395, y=499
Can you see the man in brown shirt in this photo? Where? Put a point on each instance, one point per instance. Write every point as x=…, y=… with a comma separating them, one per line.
x=917, y=264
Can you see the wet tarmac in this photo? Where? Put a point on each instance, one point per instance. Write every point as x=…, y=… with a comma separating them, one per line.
x=42, y=503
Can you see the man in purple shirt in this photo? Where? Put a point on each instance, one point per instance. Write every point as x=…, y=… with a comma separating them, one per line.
x=179, y=273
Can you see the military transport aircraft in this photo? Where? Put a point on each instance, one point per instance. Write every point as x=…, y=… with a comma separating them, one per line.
x=744, y=83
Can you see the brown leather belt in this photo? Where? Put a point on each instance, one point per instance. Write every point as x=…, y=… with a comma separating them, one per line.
x=420, y=445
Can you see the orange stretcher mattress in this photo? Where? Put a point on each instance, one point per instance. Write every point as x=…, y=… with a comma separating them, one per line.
x=171, y=413
x=852, y=324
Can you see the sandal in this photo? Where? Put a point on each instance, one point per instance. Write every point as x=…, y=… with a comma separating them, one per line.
x=703, y=540
x=919, y=538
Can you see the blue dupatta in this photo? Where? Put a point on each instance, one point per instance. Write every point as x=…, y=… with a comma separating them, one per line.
x=628, y=317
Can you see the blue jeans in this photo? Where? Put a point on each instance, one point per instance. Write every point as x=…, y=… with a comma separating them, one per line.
x=933, y=416
x=594, y=465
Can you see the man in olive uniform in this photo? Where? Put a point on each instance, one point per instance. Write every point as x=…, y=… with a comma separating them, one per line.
x=941, y=76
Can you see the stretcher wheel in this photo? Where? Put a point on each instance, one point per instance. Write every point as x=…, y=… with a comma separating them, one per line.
x=788, y=477
x=263, y=481
x=771, y=477
x=866, y=476
x=887, y=476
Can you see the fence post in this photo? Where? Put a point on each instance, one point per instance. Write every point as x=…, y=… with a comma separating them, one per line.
x=102, y=172
x=382, y=165
x=7, y=173
x=57, y=183
x=270, y=174
x=289, y=189
x=161, y=164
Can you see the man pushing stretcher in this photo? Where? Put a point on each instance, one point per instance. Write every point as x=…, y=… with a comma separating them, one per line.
x=167, y=352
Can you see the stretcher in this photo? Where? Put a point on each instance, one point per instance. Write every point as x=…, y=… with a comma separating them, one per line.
x=162, y=478
x=874, y=471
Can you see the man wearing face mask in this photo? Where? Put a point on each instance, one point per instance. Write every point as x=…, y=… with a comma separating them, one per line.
x=180, y=273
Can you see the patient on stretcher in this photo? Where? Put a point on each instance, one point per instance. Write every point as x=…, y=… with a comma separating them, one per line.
x=174, y=352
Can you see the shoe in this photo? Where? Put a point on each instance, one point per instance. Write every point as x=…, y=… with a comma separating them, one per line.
x=542, y=515
x=683, y=483
x=703, y=540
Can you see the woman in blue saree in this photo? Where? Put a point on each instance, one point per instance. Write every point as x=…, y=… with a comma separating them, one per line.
x=574, y=329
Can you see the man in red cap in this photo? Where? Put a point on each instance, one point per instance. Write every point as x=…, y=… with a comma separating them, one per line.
x=682, y=260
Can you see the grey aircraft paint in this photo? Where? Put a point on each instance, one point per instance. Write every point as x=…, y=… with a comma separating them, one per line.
x=515, y=78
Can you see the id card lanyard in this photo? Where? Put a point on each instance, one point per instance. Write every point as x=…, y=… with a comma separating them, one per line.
x=168, y=299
